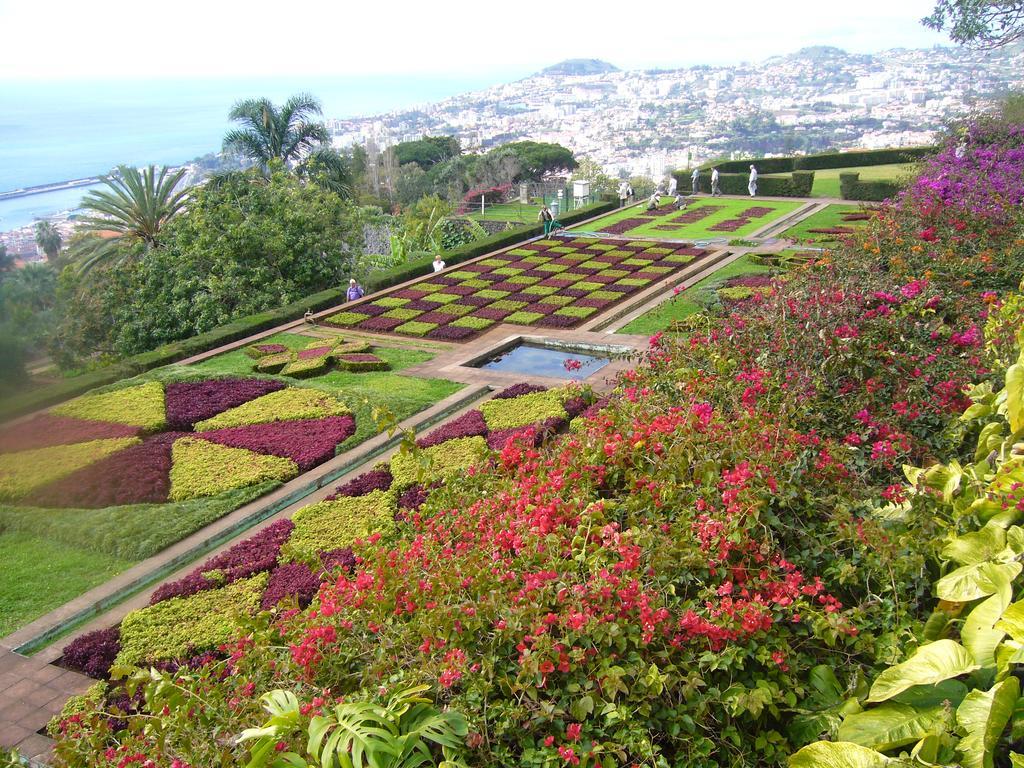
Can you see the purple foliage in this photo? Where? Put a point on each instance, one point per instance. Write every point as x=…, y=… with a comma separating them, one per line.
x=469, y=424
x=505, y=286
x=576, y=293
x=342, y=558
x=48, y=429
x=749, y=281
x=595, y=408
x=595, y=303
x=420, y=305
x=544, y=309
x=490, y=313
x=360, y=357
x=377, y=479
x=139, y=474
x=536, y=273
x=93, y=653
x=435, y=317
x=192, y=401
x=380, y=324
x=518, y=390
x=246, y=558
x=574, y=406
x=451, y=333
x=559, y=321
x=270, y=349
x=460, y=290
x=532, y=434
x=474, y=301
x=370, y=310
x=309, y=354
x=413, y=497
x=444, y=280
x=293, y=579
x=307, y=442
x=556, y=282
x=410, y=293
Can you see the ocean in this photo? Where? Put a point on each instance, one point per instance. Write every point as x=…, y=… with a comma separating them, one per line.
x=56, y=131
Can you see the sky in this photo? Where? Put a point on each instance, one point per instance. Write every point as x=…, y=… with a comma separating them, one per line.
x=141, y=39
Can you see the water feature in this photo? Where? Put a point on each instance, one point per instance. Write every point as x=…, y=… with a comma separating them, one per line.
x=542, y=359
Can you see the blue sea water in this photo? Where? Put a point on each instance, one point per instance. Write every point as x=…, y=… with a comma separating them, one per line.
x=55, y=131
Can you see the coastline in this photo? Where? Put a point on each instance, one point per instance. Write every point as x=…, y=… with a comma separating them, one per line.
x=54, y=187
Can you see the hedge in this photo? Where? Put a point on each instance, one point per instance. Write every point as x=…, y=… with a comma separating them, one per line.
x=822, y=160
x=26, y=402
x=852, y=188
x=797, y=184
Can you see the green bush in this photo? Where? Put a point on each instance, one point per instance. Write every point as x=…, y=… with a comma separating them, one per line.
x=437, y=462
x=520, y=411
x=201, y=468
x=823, y=160
x=576, y=311
x=338, y=523
x=476, y=323
x=524, y=318
x=307, y=367
x=181, y=626
x=273, y=363
x=416, y=328
x=852, y=188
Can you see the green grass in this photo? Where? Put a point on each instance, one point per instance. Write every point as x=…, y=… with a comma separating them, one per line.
x=700, y=230
x=39, y=575
x=827, y=218
x=507, y=212
x=826, y=180
x=692, y=300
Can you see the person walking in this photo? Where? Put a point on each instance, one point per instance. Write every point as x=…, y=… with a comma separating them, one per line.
x=673, y=184
x=623, y=194
x=355, y=291
x=629, y=192
x=695, y=180
x=438, y=263
x=752, y=181
x=716, y=190
x=547, y=217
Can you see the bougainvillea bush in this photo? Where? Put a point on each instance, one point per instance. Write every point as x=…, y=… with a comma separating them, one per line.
x=678, y=579
x=552, y=283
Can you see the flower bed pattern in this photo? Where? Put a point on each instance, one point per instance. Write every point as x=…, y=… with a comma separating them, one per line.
x=316, y=359
x=289, y=558
x=248, y=431
x=552, y=283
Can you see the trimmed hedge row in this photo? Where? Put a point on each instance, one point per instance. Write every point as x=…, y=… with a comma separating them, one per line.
x=798, y=184
x=26, y=402
x=852, y=188
x=822, y=160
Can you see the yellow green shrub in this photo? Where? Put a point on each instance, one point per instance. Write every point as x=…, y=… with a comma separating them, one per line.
x=25, y=471
x=138, y=406
x=520, y=411
x=338, y=523
x=437, y=462
x=288, y=404
x=200, y=468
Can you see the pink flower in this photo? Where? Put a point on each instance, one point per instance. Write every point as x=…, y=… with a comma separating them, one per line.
x=572, y=732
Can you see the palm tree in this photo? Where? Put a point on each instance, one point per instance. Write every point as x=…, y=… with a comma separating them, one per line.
x=285, y=133
x=133, y=209
x=49, y=239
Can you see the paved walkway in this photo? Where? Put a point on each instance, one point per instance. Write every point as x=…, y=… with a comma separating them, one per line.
x=35, y=688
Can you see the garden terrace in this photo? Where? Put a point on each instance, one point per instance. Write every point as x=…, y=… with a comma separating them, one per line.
x=702, y=219
x=553, y=283
x=100, y=483
x=829, y=224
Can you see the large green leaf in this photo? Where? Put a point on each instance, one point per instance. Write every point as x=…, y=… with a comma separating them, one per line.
x=924, y=696
x=889, y=725
x=972, y=582
x=1015, y=395
x=932, y=663
x=1012, y=621
x=840, y=754
x=977, y=546
x=982, y=717
x=980, y=634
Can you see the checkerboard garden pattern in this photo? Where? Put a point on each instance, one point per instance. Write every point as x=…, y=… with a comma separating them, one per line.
x=550, y=283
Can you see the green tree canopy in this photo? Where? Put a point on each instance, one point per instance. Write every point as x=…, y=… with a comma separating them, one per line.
x=270, y=132
x=246, y=244
x=49, y=239
x=539, y=158
x=428, y=151
x=979, y=23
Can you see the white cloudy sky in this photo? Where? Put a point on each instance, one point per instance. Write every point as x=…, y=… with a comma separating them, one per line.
x=71, y=39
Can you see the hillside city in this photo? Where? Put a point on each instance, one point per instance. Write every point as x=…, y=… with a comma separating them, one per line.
x=640, y=123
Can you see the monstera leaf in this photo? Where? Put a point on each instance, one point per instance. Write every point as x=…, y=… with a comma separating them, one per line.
x=982, y=716
x=932, y=663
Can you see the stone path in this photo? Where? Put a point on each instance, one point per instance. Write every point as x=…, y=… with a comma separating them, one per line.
x=35, y=688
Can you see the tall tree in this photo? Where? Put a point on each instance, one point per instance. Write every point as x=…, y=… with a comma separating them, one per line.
x=49, y=239
x=980, y=24
x=133, y=209
x=6, y=259
x=286, y=133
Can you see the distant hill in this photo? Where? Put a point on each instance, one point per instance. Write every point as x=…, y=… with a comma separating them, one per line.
x=579, y=67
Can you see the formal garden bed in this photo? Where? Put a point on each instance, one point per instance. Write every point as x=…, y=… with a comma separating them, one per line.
x=288, y=560
x=104, y=481
x=830, y=225
x=703, y=219
x=550, y=283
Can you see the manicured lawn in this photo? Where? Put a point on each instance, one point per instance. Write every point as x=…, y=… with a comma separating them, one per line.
x=828, y=218
x=724, y=209
x=39, y=575
x=508, y=212
x=691, y=301
x=826, y=180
